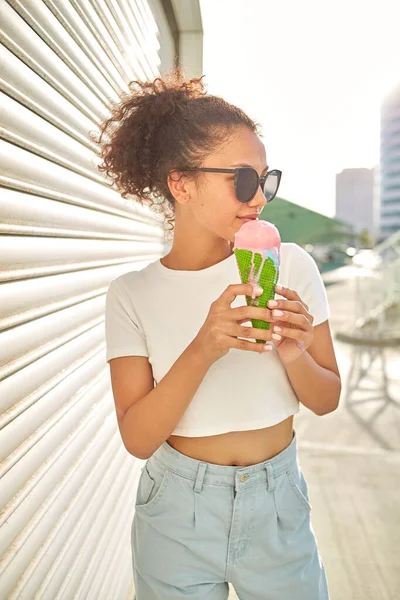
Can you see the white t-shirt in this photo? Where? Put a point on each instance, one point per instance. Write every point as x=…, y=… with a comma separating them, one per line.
x=157, y=312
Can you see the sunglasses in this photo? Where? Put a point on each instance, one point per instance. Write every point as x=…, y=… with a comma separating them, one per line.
x=247, y=181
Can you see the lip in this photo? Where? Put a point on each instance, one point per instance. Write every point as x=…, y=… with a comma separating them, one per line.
x=249, y=218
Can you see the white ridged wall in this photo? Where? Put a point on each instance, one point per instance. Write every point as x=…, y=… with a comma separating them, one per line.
x=67, y=483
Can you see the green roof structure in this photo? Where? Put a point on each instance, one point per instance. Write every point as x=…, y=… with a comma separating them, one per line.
x=304, y=226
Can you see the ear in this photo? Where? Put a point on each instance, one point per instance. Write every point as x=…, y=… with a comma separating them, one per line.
x=179, y=186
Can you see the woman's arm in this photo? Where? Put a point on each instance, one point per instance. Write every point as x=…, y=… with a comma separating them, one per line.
x=306, y=352
x=314, y=375
x=145, y=420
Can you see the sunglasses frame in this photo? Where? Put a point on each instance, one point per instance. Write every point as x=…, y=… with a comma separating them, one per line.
x=236, y=171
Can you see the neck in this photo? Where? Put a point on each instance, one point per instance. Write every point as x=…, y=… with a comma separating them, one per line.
x=194, y=248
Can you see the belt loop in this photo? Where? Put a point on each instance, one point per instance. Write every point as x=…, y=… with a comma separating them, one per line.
x=200, y=477
x=270, y=477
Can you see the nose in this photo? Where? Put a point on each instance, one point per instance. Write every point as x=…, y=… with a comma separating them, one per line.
x=259, y=200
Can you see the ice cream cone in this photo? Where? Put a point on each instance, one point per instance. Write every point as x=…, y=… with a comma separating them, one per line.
x=257, y=255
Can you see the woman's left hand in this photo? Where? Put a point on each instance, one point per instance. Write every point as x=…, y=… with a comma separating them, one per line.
x=291, y=324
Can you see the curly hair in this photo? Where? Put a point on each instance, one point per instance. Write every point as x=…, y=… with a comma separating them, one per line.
x=161, y=125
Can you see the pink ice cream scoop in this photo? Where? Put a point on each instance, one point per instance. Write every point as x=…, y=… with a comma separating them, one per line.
x=257, y=235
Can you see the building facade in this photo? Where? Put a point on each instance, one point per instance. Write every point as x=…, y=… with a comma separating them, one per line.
x=356, y=199
x=390, y=163
x=67, y=484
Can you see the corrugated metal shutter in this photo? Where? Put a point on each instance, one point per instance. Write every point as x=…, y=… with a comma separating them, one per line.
x=68, y=484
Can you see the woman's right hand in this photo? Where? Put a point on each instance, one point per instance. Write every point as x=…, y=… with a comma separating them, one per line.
x=222, y=327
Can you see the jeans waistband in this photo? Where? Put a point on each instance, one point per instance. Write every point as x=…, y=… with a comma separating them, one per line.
x=204, y=472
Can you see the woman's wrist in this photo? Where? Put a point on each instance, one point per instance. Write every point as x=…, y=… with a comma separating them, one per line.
x=316, y=387
x=198, y=356
x=298, y=362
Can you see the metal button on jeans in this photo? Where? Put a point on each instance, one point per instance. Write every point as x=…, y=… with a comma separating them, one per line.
x=244, y=477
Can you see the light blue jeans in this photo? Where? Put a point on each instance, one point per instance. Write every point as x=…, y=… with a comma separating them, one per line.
x=198, y=525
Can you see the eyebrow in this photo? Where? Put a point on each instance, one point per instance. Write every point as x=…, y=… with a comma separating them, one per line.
x=247, y=165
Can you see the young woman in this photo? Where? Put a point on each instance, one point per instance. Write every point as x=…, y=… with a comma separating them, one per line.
x=221, y=497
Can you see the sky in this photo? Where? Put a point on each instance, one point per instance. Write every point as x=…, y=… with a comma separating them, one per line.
x=313, y=73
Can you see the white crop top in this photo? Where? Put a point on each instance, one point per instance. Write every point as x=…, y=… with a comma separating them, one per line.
x=157, y=312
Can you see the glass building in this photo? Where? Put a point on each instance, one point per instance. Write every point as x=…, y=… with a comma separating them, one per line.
x=390, y=163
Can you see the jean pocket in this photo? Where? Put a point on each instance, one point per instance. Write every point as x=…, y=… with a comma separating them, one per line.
x=291, y=500
x=299, y=485
x=151, y=487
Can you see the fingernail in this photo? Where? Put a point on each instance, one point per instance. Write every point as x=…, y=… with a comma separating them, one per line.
x=278, y=313
x=267, y=347
x=272, y=303
x=276, y=328
x=258, y=290
x=276, y=336
x=279, y=287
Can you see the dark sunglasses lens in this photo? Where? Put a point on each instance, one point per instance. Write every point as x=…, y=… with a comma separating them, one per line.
x=246, y=184
x=271, y=186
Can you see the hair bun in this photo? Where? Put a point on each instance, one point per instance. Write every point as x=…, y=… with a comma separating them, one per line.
x=173, y=84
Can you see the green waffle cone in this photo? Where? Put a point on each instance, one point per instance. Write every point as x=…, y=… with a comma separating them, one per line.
x=267, y=280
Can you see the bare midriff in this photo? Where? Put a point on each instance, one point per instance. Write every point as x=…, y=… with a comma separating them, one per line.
x=237, y=448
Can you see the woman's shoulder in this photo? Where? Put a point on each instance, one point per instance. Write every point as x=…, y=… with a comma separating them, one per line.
x=123, y=283
x=291, y=249
x=130, y=280
x=296, y=264
x=293, y=254
x=299, y=272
